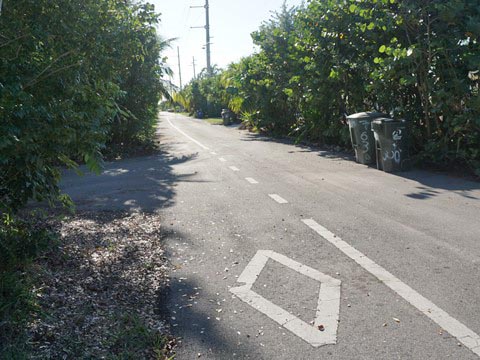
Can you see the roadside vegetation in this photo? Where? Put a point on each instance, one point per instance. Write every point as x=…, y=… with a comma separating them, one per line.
x=79, y=81
x=215, y=121
x=417, y=60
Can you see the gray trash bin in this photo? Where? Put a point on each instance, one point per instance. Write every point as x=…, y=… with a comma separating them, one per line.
x=226, y=116
x=363, y=141
x=391, y=143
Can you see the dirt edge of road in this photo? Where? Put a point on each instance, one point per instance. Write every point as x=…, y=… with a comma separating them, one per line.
x=100, y=290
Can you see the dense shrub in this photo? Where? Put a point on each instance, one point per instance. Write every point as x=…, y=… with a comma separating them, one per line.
x=205, y=94
x=74, y=76
x=413, y=59
x=21, y=242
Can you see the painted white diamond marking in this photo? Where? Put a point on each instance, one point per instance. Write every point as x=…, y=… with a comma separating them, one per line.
x=328, y=308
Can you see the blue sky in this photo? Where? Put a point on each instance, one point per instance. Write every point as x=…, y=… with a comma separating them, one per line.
x=231, y=22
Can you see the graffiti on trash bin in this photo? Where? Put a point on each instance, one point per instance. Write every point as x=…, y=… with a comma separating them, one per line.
x=395, y=154
x=364, y=141
x=365, y=144
x=397, y=135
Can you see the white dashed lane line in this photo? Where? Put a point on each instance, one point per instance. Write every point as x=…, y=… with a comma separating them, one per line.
x=233, y=168
x=463, y=334
x=278, y=199
x=251, y=180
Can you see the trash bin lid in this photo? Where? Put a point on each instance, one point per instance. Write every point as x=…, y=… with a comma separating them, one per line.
x=366, y=115
x=382, y=120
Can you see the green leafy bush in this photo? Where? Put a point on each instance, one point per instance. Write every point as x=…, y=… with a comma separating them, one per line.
x=75, y=76
x=21, y=242
x=417, y=60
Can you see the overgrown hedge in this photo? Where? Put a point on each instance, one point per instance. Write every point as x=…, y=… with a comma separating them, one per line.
x=75, y=76
x=417, y=60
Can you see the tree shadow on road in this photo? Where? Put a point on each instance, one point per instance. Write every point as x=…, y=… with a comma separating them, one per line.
x=140, y=184
x=433, y=184
x=327, y=152
x=199, y=314
x=198, y=330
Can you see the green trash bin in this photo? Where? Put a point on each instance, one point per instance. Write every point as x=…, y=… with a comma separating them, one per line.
x=363, y=141
x=391, y=143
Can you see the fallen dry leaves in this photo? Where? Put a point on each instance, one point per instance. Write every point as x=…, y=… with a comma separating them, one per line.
x=101, y=289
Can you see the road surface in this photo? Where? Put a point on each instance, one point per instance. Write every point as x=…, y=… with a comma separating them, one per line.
x=288, y=252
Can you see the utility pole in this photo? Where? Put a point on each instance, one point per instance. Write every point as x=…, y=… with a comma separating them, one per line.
x=207, y=33
x=207, y=28
x=179, y=68
x=193, y=64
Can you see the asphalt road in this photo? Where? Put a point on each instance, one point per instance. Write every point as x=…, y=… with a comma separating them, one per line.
x=289, y=252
